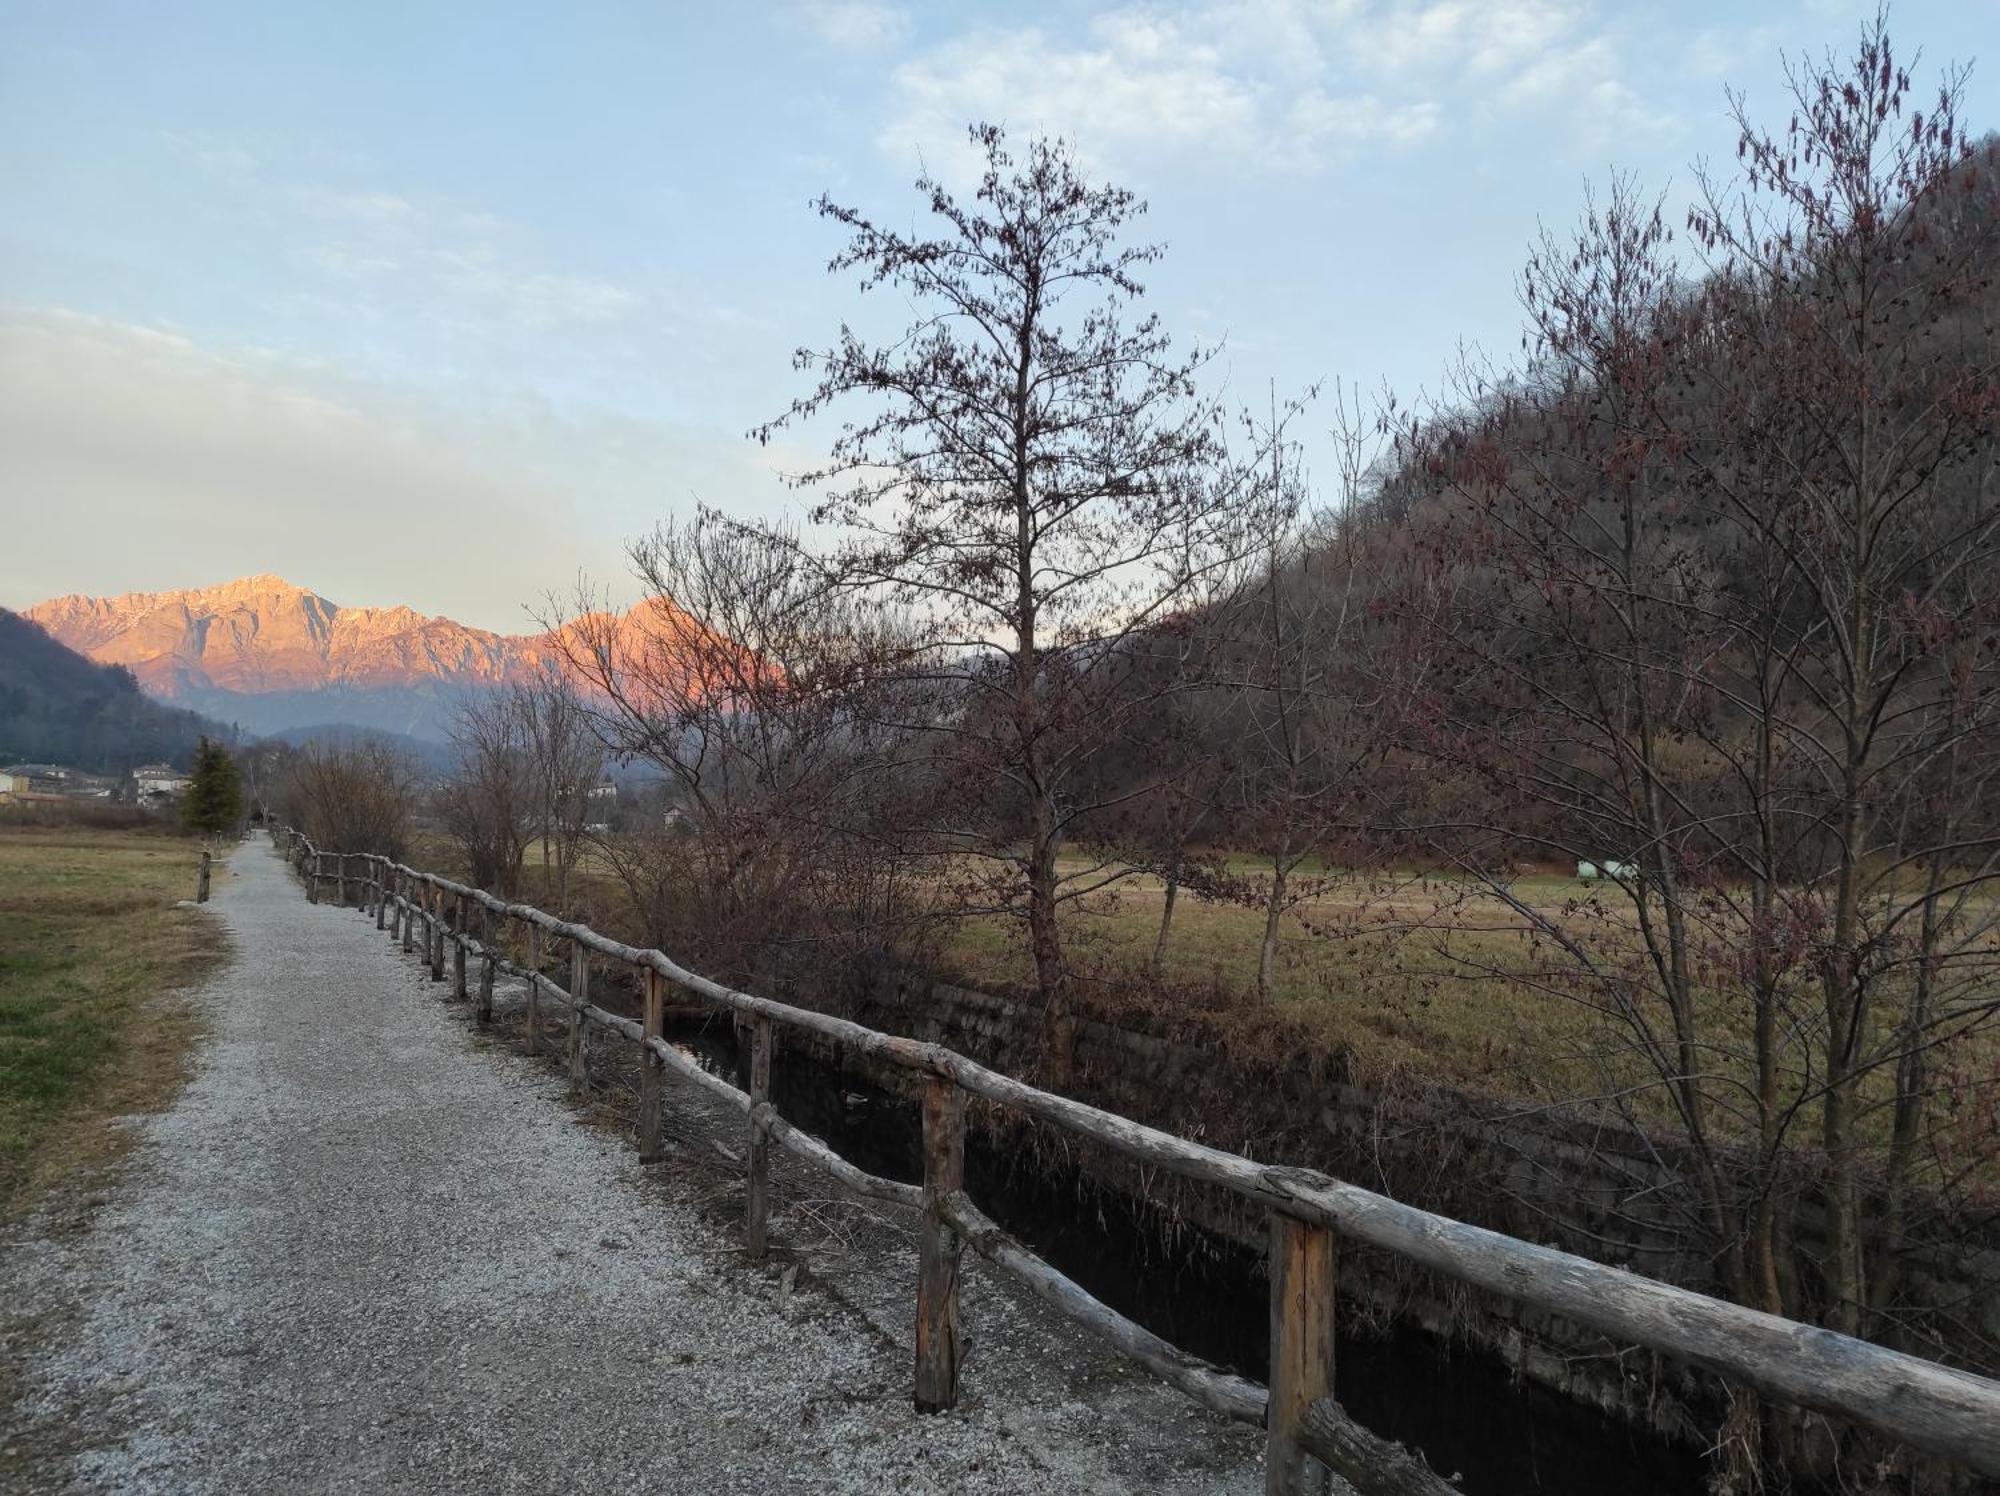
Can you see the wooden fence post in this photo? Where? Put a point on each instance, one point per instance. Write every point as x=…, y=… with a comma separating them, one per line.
x=312, y=882
x=381, y=866
x=343, y=880
x=409, y=916
x=459, y=934
x=579, y=994
x=434, y=933
x=756, y=1229
x=201, y=881
x=938, y=1247
x=1302, y=1300
x=653, y=1071
x=531, y=1036
x=486, y=967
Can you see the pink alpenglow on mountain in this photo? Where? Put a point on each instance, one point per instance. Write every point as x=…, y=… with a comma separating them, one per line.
x=272, y=655
x=265, y=634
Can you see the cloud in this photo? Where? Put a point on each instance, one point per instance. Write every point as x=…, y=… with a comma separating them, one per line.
x=1133, y=85
x=135, y=458
x=318, y=241
x=1278, y=86
x=855, y=25
x=442, y=262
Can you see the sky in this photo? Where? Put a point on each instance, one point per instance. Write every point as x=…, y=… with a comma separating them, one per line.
x=442, y=304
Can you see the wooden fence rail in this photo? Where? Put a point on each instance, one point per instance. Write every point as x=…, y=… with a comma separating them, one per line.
x=1940, y=1410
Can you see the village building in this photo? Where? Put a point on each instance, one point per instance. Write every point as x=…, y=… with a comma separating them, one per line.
x=159, y=781
x=28, y=783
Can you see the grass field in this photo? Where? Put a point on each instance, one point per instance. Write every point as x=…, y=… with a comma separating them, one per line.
x=1354, y=974
x=1424, y=978
x=1363, y=968
x=1401, y=977
x=90, y=939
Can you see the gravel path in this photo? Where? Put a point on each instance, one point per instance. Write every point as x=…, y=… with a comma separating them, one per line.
x=366, y=1251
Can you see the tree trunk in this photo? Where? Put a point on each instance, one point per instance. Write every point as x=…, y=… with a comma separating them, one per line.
x=1154, y=966
x=1274, y=911
x=1044, y=830
x=1912, y=1080
x=1045, y=940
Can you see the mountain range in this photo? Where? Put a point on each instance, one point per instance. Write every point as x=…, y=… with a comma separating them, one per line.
x=270, y=656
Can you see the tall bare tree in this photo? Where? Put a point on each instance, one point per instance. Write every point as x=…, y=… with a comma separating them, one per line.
x=1308, y=719
x=1713, y=591
x=1865, y=235
x=1034, y=479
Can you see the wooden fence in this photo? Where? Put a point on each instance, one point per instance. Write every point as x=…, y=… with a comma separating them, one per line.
x=1945, y=1412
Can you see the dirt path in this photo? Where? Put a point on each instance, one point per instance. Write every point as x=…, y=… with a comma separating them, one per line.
x=366, y=1252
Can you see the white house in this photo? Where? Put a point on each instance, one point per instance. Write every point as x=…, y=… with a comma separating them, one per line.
x=153, y=780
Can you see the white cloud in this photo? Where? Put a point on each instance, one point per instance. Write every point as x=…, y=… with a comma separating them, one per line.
x=450, y=263
x=1316, y=117
x=856, y=25
x=1471, y=39
x=1134, y=86
x=1288, y=86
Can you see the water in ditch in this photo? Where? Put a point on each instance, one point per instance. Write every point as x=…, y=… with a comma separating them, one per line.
x=1207, y=1294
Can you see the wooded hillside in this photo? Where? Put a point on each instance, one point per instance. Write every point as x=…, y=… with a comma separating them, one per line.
x=56, y=706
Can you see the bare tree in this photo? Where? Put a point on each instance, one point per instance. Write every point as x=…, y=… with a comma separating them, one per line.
x=564, y=761
x=1712, y=592
x=1178, y=757
x=1307, y=717
x=747, y=682
x=485, y=803
x=1867, y=236
x=1036, y=482
x=356, y=796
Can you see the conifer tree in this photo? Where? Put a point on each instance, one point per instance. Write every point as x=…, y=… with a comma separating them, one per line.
x=214, y=800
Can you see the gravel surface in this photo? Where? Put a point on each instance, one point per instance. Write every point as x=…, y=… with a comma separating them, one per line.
x=367, y=1251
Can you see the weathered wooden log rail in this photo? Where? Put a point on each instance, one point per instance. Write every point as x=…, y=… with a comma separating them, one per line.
x=1942, y=1411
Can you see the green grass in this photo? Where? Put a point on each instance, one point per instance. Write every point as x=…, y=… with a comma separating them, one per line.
x=90, y=936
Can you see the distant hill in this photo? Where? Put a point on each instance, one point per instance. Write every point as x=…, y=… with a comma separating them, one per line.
x=56, y=706
x=273, y=656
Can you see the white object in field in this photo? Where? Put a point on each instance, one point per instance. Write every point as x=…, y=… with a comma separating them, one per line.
x=1618, y=870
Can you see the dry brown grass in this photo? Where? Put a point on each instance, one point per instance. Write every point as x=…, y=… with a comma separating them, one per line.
x=1370, y=971
x=1396, y=980
x=1416, y=979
